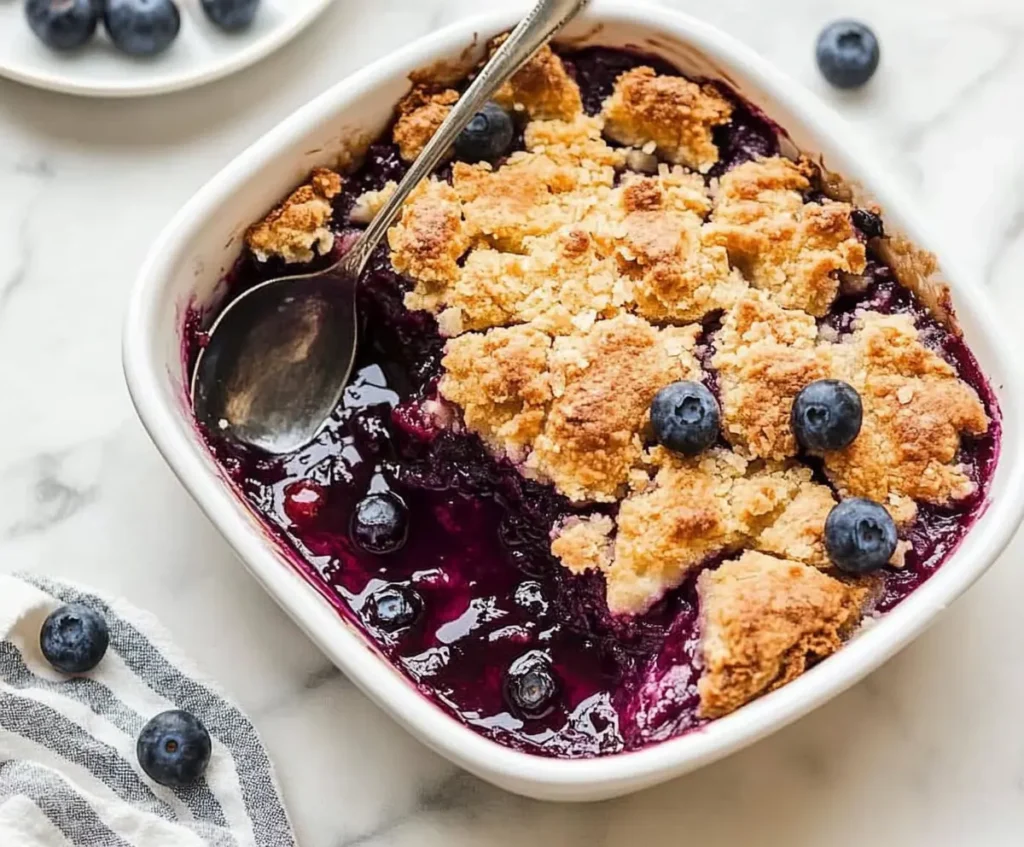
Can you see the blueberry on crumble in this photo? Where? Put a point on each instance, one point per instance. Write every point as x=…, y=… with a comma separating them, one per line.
x=487, y=137
x=685, y=417
x=827, y=415
x=860, y=536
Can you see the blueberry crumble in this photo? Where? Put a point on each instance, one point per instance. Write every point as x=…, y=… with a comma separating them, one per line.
x=644, y=422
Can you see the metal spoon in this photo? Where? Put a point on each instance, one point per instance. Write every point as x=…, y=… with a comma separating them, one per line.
x=279, y=356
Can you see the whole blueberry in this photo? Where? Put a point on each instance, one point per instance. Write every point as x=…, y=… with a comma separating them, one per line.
x=174, y=749
x=395, y=607
x=531, y=686
x=62, y=24
x=141, y=27
x=685, y=417
x=487, y=137
x=826, y=415
x=231, y=15
x=380, y=523
x=848, y=54
x=860, y=536
x=74, y=638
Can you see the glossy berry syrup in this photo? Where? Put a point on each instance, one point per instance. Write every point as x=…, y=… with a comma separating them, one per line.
x=474, y=590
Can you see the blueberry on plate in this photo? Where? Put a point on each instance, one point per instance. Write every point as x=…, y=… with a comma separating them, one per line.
x=685, y=417
x=74, y=638
x=141, y=27
x=380, y=523
x=860, y=536
x=531, y=686
x=848, y=54
x=62, y=24
x=231, y=15
x=395, y=607
x=174, y=749
x=487, y=137
x=826, y=415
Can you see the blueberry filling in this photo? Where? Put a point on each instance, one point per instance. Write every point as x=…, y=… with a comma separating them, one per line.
x=472, y=607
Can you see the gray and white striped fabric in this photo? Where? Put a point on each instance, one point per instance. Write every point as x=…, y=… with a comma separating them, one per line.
x=68, y=771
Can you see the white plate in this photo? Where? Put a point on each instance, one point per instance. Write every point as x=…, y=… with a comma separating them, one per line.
x=200, y=54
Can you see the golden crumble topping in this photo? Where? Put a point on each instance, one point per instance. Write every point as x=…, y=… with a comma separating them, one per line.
x=764, y=356
x=790, y=248
x=420, y=113
x=573, y=407
x=692, y=510
x=428, y=240
x=915, y=405
x=764, y=621
x=542, y=87
x=369, y=203
x=915, y=410
x=677, y=115
x=501, y=381
x=298, y=229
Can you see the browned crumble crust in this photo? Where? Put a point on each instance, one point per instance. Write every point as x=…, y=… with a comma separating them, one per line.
x=764, y=356
x=692, y=510
x=576, y=410
x=671, y=112
x=765, y=620
x=298, y=229
x=915, y=406
x=792, y=249
x=915, y=410
x=542, y=87
x=420, y=113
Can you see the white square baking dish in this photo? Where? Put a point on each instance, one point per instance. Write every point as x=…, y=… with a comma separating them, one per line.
x=203, y=240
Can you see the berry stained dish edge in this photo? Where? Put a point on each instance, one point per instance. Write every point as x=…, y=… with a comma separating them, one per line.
x=184, y=267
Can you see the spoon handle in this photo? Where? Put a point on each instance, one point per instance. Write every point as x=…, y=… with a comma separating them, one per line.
x=533, y=32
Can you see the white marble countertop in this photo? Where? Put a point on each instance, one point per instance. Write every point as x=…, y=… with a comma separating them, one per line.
x=929, y=750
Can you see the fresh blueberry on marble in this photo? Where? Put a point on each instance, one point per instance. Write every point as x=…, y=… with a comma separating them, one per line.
x=380, y=523
x=74, y=638
x=142, y=27
x=62, y=24
x=231, y=15
x=685, y=417
x=487, y=137
x=860, y=536
x=174, y=749
x=827, y=415
x=848, y=54
x=868, y=223
x=395, y=607
x=531, y=686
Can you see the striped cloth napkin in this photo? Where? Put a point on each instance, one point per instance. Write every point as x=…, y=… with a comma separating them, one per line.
x=68, y=770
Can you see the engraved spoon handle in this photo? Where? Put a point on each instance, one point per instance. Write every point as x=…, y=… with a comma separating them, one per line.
x=533, y=32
